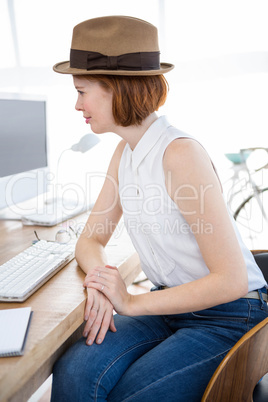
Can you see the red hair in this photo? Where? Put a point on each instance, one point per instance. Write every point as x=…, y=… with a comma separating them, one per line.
x=134, y=97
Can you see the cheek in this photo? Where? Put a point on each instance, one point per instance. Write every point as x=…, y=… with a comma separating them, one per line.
x=106, y=106
x=109, y=110
x=86, y=104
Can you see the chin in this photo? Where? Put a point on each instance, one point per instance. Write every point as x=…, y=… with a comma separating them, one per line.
x=94, y=129
x=98, y=130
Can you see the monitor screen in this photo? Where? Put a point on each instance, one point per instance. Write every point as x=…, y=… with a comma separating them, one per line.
x=22, y=136
x=23, y=148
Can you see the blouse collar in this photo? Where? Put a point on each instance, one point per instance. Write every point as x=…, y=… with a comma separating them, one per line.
x=147, y=141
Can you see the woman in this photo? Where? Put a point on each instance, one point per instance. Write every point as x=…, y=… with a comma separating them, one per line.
x=165, y=344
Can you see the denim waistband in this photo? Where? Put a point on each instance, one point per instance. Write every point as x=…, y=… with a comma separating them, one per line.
x=260, y=294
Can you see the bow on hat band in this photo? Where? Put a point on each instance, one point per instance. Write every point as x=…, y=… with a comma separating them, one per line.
x=130, y=61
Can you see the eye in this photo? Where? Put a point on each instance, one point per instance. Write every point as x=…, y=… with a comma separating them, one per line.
x=80, y=93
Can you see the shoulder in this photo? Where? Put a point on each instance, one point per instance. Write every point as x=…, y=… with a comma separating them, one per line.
x=118, y=151
x=186, y=162
x=185, y=153
x=115, y=161
x=120, y=148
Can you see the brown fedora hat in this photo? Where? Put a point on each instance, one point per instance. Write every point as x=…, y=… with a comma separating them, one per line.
x=114, y=45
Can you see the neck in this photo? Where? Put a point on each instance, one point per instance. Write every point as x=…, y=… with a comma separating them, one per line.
x=133, y=134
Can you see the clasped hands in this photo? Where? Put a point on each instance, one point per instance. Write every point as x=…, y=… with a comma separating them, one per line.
x=106, y=292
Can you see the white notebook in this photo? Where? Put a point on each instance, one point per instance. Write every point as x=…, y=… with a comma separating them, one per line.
x=14, y=325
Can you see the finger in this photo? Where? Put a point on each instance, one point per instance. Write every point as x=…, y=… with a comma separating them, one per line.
x=92, y=335
x=90, y=322
x=112, y=325
x=87, y=311
x=100, y=280
x=94, y=271
x=105, y=272
x=95, y=277
x=111, y=267
x=89, y=304
x=104, y=289
x=104, y=327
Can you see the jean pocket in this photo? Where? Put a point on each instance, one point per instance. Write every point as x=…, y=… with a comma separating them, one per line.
x=219, y=317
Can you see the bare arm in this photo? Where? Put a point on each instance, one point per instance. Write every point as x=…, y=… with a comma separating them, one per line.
x=90, y=250
x=196, y=190
x=103, y=219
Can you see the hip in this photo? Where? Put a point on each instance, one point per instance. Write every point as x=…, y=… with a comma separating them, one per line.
x=239, y=315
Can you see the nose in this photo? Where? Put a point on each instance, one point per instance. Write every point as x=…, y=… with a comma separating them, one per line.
x=78, y=105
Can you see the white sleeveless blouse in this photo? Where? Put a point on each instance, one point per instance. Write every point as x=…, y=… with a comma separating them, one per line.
x=168, y=251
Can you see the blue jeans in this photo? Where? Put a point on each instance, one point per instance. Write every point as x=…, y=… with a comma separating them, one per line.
x=154, y=358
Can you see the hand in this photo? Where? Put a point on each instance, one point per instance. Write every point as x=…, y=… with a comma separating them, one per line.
x=109, y=282
x=98, y=317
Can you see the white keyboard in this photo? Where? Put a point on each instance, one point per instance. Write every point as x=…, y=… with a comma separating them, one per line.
x=22, y=275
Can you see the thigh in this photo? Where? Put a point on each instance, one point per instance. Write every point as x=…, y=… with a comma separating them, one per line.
x=88, y=373
x=178, y=369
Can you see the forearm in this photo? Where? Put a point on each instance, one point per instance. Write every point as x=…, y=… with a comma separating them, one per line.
x=98, y=309
x=89, y=253
x=212, y=290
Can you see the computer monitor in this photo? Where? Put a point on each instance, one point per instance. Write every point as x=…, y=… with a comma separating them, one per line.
x=23, y=149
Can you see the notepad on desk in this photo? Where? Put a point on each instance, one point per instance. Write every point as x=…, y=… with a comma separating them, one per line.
x=14, y=326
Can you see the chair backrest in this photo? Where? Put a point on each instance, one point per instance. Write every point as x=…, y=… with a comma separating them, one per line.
x=261, y=258
x=241, y=369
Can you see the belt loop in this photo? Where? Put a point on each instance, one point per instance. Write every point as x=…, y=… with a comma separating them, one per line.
x=154, y=288
x=261, y=299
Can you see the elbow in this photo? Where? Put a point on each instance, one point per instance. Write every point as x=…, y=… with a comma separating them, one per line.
x=244, y=287
x=241, y=284
x=236, y=284
x=244, y=281
x=77, y=252
x=80, y=248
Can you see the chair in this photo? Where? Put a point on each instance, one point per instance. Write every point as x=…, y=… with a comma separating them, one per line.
x=261, y=258
x=246, y=363
x=241, y=369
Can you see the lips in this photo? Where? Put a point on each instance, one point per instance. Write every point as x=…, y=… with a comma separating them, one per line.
x=87, y=119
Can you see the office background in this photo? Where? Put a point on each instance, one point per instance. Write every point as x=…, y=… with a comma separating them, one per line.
x=218, y=90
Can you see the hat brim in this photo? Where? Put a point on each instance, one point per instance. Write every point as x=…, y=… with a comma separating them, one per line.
x=64, y=68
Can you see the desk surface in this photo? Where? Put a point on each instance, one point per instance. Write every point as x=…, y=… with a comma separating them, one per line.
x=58, y=309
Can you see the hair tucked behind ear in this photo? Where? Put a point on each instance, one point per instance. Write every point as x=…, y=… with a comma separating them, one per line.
x=134, y=98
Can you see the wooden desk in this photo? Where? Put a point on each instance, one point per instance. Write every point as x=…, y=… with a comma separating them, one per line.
x=58, y=308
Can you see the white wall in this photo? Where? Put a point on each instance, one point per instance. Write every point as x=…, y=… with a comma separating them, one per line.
x=219, y=87
x=218, y=90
